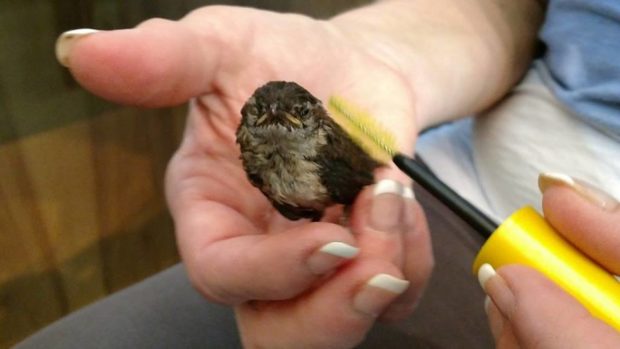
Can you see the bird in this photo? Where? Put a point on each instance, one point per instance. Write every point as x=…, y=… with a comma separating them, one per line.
x=297, y=155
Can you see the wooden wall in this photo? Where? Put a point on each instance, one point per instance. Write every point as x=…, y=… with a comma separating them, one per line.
x=82, y=212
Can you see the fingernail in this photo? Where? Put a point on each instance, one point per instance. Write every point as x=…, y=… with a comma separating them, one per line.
x=485, y=273
x=586, y=190
x=408, y=193
x=496, y=289
x=378, y=293
x=330, y=256
x=487, y=304
x=65, y=42
x=387, y=205
x=496, y=323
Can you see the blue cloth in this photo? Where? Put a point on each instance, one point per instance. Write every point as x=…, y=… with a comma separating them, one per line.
x=583, y=59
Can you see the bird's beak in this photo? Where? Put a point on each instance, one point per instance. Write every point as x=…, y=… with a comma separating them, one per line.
x=292, y=119
x=278, y=115
x=262, y=119
x=273, y=108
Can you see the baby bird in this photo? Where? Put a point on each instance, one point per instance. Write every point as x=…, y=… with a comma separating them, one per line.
x=297, y=155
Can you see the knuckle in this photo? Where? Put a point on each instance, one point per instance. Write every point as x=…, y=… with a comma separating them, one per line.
x=208, y=290
x=155, y=22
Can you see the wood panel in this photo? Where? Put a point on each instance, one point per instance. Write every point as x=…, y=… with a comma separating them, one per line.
x=29, y=297
x=132, y=149
x=82, y=214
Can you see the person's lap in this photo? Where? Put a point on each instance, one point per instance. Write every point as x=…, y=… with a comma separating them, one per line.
x=164, y=311
x=494, y=160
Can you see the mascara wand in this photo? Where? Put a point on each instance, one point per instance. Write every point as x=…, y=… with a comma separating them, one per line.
x=463, y=208
x=380, y=145
x=525, y=237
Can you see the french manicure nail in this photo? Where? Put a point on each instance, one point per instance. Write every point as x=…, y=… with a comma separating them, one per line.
x=496, y=323
x=387, y=186
x=387, y=205
x=485, y=273
x=586, y=190
x=408, y=193
x=66, y=40
x=487, y=304
x=389, y=283
x=497, y=290
x=330, y=256
x=378, y=293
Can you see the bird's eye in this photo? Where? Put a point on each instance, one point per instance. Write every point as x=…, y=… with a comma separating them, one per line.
x=252, y=112
x=302, y=110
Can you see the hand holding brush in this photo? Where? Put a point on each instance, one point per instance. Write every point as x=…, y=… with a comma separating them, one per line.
x=525, y=237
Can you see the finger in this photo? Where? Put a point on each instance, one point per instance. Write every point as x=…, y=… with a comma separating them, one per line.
x=390, y=225
x=586, y=216
x=378, y=221
x=496, y=320
x=418, y=261
x=159, y=63
x=262, y=266
x=507, y=338
x=500, y=327
x=341, y=311
x=540, y=313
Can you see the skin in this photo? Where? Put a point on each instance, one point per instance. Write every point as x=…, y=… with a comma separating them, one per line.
x=529, y=311
x=433, y=61
x=237, y=247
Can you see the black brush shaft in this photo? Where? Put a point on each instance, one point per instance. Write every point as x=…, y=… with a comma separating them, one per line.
x=469, y=213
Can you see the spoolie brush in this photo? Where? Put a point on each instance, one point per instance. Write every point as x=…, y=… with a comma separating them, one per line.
x=381, y=145
x=523, y=238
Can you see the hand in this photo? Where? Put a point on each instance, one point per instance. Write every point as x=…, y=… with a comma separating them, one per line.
x=236, y=247
x=394, y=244
x=526, y=310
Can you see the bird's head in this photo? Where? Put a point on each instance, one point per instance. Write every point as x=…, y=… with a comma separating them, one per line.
x=281, y=104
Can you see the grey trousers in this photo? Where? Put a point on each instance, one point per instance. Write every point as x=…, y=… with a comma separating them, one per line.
x=164, y=311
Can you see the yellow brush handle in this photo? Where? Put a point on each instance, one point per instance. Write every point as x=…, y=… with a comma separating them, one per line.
x=526, y=238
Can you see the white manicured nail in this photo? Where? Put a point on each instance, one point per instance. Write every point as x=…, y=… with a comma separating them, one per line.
x=329, y=256
x=485, y=273
x=340, y=249
x=408, y=193
x=388, y=186
x=584, y=189
x=65, y=42
x=389, y=283
x=386, y=211
x=497, y=290
x=487, y=304
x=548, y=179
x=378, y=293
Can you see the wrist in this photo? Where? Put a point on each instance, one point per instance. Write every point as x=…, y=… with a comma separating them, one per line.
x=458, y=57
x=362, y=29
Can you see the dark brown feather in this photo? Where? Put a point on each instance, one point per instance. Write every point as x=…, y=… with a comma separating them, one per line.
x=297, y=155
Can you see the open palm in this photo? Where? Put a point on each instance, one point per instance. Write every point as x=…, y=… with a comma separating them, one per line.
x=235, y=245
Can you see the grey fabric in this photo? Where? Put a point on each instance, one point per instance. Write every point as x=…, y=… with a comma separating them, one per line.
x=451, y=312
x=164, y=311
